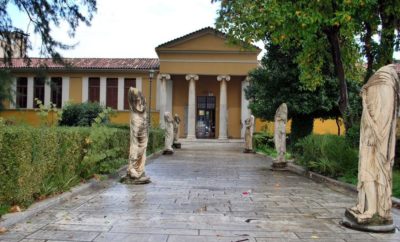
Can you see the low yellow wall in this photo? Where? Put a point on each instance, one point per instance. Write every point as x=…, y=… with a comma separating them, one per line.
x=320, y=126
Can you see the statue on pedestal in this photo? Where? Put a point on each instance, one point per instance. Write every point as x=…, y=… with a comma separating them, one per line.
x=169, y=133
x=280, y=137
x=248, y=135
x=177, y=121
x=380, y=99
x=138, y=139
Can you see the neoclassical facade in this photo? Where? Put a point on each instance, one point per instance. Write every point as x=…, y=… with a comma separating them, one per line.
x=199, y=76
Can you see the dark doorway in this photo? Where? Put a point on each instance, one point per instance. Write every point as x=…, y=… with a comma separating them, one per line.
x=205, y=122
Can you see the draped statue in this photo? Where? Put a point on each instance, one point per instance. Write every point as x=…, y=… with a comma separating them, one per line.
x=380, y=96
x=138, y=138
x=169, y=133
x=177, y=121
x=280, y=136
x=248, y=135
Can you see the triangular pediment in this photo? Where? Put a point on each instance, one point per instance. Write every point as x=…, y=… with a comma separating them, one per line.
x=206, y=39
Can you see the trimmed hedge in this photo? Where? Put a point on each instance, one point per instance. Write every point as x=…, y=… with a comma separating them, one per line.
x=36, y=162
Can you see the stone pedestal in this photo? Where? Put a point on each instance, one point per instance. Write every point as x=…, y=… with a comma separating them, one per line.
x=375, y=224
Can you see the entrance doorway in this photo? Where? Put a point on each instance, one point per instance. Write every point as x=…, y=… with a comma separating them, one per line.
x=205, y=121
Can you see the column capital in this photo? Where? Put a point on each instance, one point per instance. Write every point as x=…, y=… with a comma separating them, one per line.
x=223, y=77
x=165, y=76
x=192, y=77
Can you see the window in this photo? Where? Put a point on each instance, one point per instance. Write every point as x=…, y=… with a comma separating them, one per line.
x=94, y=89
x=112, y=93
x=56, y=91
x=38, y=90
x=22, y=92
x=128, y=82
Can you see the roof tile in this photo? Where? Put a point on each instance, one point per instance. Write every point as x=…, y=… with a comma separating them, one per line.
x=86, y=63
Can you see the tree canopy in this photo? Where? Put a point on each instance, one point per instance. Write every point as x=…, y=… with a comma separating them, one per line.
x=321, y=30
x=43, y=16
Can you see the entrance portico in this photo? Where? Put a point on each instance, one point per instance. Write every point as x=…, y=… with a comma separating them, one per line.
x=208, y=77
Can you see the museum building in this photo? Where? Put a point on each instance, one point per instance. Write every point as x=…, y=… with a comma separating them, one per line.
x=199, y=76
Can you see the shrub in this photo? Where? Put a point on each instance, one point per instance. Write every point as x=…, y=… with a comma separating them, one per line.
x=82, y=114
x=353, y=136
x=329, y=155
x=263, y=139
x=156, y=140
x=36, y=162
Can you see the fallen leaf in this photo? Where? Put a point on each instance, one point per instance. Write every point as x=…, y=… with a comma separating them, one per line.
x=2, y=230
x=245, y=193
x=15, y=209
x=314, y=237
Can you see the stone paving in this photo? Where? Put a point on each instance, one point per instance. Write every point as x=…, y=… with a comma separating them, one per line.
x=205, y=192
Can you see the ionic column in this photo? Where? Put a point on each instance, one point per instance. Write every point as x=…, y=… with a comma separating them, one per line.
x=192, y=106
x=245, y=111
x=163, y=97
x=223, y=107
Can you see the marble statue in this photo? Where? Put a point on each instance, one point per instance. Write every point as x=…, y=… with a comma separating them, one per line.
x=280, y=136
x=380, y=97
x=169, y=133
x=248, y=135
x=138, y=139
x=177, y=121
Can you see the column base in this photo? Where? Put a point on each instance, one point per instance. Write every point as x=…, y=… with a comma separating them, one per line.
x=191, y=137
x=223, y=137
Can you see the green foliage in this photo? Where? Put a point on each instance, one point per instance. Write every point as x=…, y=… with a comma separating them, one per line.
x=36, y=162
x=262, y=139
x=156, y=140
x=44, y=16
x=84, y=114
x=328, y=154
x=353, y=136
x=44, y=112
x=396, y=184
x=277, y=81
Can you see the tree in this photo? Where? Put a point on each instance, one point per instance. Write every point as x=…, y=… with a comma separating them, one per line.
x=43, y=16
x=277, y=81
x=323, y=28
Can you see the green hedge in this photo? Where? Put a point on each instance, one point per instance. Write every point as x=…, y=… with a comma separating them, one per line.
x=36, y=162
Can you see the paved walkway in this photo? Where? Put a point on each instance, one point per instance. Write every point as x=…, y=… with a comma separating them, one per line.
x=205, y=192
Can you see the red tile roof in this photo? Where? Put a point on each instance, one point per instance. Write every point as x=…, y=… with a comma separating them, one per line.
x=87, y=63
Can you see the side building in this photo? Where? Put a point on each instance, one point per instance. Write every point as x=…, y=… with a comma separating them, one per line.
x=199, y=76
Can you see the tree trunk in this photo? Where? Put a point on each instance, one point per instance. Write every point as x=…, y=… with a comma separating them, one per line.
x=333, y=37
x=302, y=125
x=368, y=50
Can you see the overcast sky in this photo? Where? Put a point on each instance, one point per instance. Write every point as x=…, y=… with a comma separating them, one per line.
x=132, y=28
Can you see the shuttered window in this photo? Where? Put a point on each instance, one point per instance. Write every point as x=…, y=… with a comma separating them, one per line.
x=22, y=92
x=56, y=91
x=128, y=82
x=38, y=90
x=112, y=93
x=94, y=89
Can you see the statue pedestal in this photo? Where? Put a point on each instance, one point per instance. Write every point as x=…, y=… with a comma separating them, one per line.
x=279, y=166
x=168, y=152
x=177, y=145
x=375, y=224
x=134, y=181
x=248, y=151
